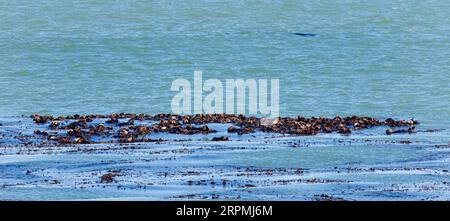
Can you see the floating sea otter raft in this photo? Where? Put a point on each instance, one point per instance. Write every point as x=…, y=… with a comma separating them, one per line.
x=128, y=128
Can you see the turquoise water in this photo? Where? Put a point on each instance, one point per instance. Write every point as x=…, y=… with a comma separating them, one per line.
x=374, y=58
x=367, y=58
x=381, y=59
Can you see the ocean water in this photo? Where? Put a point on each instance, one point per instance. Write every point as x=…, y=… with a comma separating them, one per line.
x=367, y=58
x=376, y=58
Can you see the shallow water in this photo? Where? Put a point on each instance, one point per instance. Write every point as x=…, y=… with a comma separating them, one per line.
x=379, y=59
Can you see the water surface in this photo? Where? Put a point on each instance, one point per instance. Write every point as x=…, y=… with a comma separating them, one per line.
x=379, y=59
